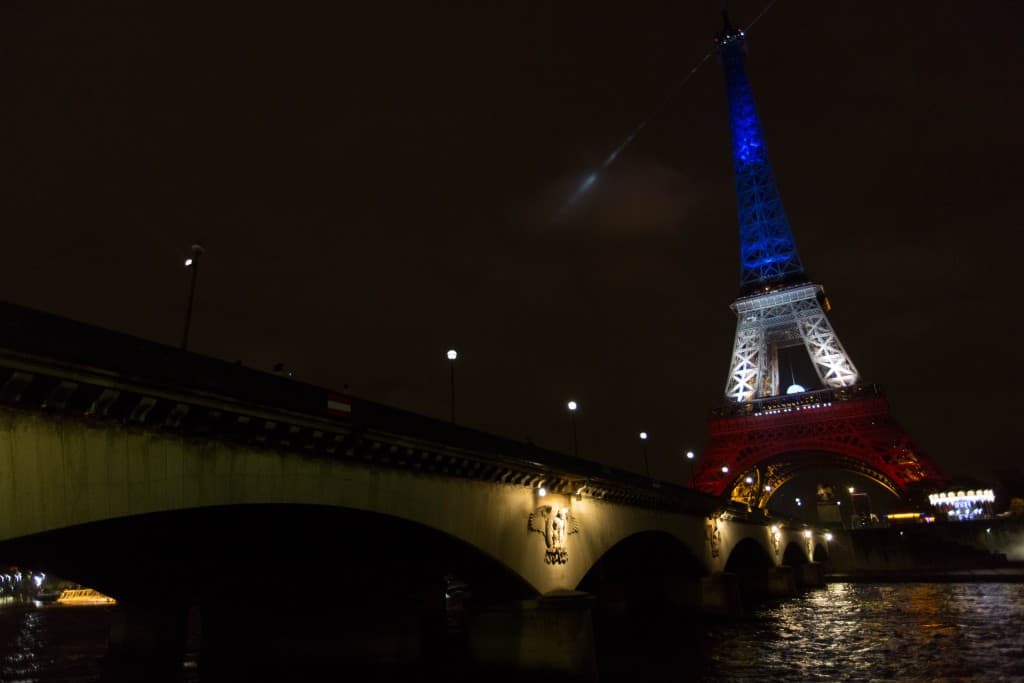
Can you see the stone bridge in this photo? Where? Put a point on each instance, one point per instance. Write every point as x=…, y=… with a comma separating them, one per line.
x=167, y=479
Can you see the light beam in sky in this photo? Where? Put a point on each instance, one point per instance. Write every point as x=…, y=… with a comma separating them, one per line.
x=591, y=179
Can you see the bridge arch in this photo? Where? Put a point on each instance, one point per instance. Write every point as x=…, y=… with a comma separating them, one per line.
x=795, y=554
x=640, y=572
x=748, y=556
x=820, y=553
x=245, y=551
x=92, y=472
x=69, y=473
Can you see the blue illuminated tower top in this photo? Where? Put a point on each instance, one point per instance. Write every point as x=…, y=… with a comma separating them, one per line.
x=768, y=255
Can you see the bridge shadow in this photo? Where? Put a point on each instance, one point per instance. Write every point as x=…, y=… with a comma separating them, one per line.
x=820, y=553
x=282, y=592
x=646, y=610
x=794, y=555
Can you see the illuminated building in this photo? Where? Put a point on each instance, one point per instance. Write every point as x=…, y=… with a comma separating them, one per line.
x=958, y=506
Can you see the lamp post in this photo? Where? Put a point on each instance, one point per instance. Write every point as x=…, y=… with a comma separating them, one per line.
x=572, y=406
x=193, y=263
x=643, y=447
x=690, y=456
x=452, y=355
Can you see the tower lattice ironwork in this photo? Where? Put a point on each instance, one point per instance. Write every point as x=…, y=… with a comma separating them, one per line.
x=766, y=434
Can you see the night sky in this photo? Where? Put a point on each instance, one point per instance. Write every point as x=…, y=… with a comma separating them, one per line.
x=378, y=182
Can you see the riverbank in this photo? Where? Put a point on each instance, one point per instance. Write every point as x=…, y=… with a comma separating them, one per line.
x=1000, y=575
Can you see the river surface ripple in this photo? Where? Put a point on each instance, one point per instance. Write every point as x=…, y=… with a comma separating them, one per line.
x=871, y=632
x=861, y=632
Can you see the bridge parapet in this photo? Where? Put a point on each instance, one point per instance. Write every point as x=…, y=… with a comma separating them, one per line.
x=63, y=368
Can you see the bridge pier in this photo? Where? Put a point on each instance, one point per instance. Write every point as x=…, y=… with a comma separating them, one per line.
x=147, y=643
x=720, y=595
x=768, y=582
x=810, y=575
x=553, y=634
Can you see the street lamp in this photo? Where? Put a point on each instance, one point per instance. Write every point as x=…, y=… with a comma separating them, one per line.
x=572, y=406
x=643, y=441
x=193, y=263
x=452, y=355
x=690, y=456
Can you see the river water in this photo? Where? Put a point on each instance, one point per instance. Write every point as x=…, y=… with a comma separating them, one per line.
x=897, y=632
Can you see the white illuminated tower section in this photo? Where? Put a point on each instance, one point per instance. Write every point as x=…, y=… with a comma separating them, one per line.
x=778, y=307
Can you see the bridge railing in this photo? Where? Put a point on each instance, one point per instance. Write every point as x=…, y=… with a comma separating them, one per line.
x=807, y=400
x=62, y=367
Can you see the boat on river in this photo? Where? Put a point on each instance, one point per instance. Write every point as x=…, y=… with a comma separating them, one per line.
x=84, y=596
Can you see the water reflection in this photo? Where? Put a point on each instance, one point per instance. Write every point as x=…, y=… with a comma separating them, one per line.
x=46, y=644
x=842, y=632
x=870, y=632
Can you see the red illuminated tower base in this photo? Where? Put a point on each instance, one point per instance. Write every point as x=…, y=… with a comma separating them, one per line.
x=758, y=446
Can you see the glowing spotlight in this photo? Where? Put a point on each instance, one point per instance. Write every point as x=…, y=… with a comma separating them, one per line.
x=749, y=480
x=795, y=389
x=452, y=354
x=725, y=469
x=690, y=455
x=808, y=533
x=542, y=492
x=828, y=535
x=643, y=436
x=573, y=405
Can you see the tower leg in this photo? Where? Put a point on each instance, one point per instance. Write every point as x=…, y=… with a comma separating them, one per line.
x=749, y=356
x=833, y=365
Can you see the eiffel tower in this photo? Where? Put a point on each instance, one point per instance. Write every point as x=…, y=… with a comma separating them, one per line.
x=769, y=431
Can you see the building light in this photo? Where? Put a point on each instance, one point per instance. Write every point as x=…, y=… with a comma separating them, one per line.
x=904, y=515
